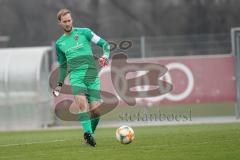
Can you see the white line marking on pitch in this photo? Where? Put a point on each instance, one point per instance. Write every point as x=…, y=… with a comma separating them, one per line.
x=19, y=144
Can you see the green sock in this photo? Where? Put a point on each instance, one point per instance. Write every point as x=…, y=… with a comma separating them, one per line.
x=85, y=121
x=94, y=123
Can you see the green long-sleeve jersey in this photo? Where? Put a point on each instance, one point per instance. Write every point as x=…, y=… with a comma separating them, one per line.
x=74, y=51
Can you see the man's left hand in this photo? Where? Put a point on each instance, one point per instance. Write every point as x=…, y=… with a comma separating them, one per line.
x=103, y=61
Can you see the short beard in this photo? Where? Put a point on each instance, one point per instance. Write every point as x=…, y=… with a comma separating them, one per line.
x=68, y=31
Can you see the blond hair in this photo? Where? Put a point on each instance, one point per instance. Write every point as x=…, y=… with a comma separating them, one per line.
x=62, y=12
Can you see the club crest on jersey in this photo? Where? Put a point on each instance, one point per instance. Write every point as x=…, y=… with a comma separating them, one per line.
x=76, y=37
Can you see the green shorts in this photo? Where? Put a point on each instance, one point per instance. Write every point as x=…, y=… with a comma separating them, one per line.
x=83, y=83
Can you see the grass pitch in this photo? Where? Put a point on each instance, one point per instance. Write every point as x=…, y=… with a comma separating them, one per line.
x=182, y=142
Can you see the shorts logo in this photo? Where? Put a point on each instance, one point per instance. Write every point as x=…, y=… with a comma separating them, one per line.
x=76, y=37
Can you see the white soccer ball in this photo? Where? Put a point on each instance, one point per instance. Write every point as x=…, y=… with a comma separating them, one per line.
x=125, y=134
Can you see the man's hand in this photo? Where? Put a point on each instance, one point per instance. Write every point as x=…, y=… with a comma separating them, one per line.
x=56, y=91
x=103, y=61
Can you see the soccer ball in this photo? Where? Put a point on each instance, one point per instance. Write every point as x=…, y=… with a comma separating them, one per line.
x=125, y=134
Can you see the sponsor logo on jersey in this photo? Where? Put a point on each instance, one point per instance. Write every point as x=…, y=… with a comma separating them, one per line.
x=75, y=47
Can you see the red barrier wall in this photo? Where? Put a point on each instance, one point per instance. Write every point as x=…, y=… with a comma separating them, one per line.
x=195, y=79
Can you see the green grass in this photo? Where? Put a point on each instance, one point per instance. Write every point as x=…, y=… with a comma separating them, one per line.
x=183, y=142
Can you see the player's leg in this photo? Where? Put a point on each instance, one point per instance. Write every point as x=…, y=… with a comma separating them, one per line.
x=84, y=118
x=95, y=114
x=94, y=99
x=79, y=91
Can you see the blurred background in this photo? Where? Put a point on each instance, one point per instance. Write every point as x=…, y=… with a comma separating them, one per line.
x=197, y=40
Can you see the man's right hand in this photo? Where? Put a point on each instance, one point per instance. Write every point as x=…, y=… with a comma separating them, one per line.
x=57, y=90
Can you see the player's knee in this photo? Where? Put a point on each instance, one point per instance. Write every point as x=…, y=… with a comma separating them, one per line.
x=95, y=113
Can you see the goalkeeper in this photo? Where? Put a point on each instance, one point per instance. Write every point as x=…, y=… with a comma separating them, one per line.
x=75, y=56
